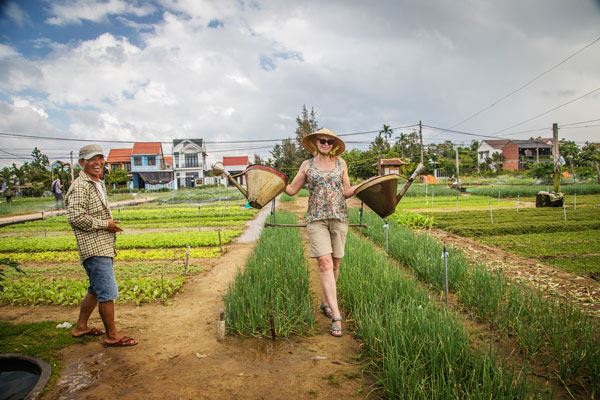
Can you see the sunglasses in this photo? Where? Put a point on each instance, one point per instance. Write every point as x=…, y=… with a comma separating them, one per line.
x=330, y=142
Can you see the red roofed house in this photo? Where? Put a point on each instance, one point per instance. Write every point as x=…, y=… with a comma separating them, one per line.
x=236, y=165
x=148, y=167
x=119, y=159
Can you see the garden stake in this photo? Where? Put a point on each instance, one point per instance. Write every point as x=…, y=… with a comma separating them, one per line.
x=432, y=197
x=119, y=215
x=187, y=260
x=456, y=199
x=273, y=211
x=518, y=203
x=220, y=242
x=574, y=201
x=565, y=211
x=44, y=224
x=445, y=257
x=387, y=234
x=491, y=215
x=360, y=213
x=221, y=326
x=199, y=218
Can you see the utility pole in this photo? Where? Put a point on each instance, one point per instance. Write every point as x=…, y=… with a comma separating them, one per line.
x=72, y=168
x=555, y=157
x=421, y=141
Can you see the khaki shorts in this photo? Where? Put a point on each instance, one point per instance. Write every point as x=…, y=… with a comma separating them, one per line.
x=327, y=236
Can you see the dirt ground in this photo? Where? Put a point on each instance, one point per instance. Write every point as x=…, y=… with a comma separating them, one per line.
x=179, y=357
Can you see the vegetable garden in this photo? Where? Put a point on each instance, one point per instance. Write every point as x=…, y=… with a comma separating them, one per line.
x=161, y=245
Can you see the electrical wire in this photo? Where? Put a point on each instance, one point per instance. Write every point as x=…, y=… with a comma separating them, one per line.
x=548, y=112
x=527, y=84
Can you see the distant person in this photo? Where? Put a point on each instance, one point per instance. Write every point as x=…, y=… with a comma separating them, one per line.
x=7, y=192
x=95, y=230
x=56, y=189
x=326, y=176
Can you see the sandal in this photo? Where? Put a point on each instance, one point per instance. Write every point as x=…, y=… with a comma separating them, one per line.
x=325, y=309
x=125, y=341
x=89, y=332
x=336, y=330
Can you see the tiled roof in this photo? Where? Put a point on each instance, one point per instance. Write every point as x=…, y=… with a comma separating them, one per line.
x=392, y=161
x=147, y=148
x=497, y=144
x=240, y=160
x=169, y=160
x=119, y=156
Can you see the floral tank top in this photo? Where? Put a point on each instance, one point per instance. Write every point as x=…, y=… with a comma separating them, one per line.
x=326, y=193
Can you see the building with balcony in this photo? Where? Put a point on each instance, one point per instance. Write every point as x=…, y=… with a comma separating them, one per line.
x=189, y=162
x=148, y=167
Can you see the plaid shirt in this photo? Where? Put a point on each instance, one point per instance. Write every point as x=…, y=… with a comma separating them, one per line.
x=88, y=216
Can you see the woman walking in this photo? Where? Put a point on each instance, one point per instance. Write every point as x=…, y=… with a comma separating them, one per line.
x=326, y=177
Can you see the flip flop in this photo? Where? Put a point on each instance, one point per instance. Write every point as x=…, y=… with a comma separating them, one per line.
x=91, y=332
x=125, y=341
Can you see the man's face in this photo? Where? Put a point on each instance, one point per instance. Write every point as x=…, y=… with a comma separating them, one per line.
x=93, y=167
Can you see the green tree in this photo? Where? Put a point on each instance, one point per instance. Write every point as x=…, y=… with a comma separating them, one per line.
x=307, y=123
x=116, y=177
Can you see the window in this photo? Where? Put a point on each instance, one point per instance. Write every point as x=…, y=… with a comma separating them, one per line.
x=176, y=159
x=137, y=161
x=151, y=160
x=191, y=160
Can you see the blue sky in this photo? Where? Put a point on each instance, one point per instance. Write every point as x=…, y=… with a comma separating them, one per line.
x=242, y=70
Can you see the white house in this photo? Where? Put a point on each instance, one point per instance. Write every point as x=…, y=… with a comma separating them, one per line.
x=189, y=162
x=489, y=147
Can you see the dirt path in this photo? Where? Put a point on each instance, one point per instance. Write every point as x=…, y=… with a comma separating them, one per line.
x=179, y=357
x=579, y=290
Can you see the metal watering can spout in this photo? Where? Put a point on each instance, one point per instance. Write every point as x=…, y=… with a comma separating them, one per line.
x=379, y=192
x=264, y=183
x=420, y=168
x=218, y=169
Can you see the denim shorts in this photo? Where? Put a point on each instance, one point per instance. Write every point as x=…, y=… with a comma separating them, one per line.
x=102, y=278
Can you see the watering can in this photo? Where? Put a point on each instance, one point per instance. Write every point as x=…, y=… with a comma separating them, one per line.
x=379, y=192
x=263, y=183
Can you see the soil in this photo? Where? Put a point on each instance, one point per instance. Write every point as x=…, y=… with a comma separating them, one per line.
x=580, y=290
x=179, y=356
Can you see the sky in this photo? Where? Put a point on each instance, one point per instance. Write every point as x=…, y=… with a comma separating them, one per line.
x=237, y=73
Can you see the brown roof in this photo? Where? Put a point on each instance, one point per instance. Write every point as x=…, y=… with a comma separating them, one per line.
x=497, y=144
x=147, y=148
x=119, y=156
x=240, y=160
x=392, y=161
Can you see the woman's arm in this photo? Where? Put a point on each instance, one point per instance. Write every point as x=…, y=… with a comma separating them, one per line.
x=348, y=190
x=298, y=181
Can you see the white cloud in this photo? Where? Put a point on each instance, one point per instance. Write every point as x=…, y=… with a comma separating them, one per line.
x=358, y=64
x=24, y=103
x=17, y=14
x=75, y=11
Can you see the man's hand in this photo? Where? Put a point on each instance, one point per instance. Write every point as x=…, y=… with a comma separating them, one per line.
x=113, y=227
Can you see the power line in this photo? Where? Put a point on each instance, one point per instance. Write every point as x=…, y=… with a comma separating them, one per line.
x=547, y=112
x=527, y=84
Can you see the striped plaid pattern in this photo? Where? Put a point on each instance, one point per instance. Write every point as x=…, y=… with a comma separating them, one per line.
x=88, y=215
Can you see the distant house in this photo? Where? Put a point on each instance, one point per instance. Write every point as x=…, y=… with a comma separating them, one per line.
x=487, y=149
x=389, y=166
x=516, y=154
x=236, y=165
x=119, y=159
x=148, y=168
x=189, y=158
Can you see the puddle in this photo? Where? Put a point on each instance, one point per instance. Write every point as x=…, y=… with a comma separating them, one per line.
x=80, y=375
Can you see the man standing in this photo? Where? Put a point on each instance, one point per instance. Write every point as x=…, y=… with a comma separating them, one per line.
x=57, y=191
x=95, y=231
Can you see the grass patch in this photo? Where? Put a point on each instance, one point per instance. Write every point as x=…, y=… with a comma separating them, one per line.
x=38, y=339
